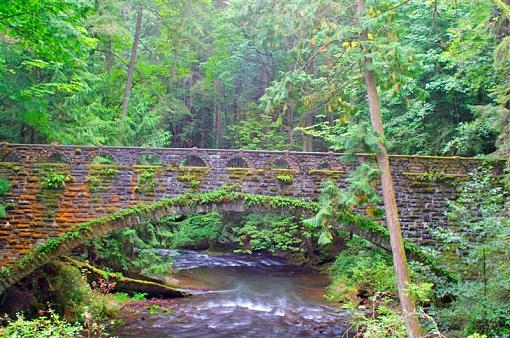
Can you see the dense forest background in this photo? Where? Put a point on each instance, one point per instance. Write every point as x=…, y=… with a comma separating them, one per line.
x=262, y=74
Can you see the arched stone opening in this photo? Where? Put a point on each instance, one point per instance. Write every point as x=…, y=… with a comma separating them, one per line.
x=280, y=164
x=149, y=159
x=193, y=161
x=237, y=162
x=7, y=156
x=103, y=159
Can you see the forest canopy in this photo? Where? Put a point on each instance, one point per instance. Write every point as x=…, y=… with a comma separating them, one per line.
x=262, y=74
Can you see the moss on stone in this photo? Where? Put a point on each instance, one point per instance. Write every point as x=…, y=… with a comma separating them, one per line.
x=285, y=178
x=147, y=177
x=434, y=176
x=334, y=174
x=244, y=174
x=139, y=168
x=101, y=176
x=14, y=166
x=191, y=177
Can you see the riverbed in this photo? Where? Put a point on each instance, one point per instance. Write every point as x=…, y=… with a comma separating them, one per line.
x=240, y=296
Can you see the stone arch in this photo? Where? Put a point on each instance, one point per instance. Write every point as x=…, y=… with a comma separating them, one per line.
x=193, y=161
x=237, y=162
x=280, y=164
x=8, y=156
x=102, y=158
x=55, y=157
x=218, y=200
x=323, y=165
x=151, y=159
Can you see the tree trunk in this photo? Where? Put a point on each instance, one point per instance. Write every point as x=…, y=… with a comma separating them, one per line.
x=132, y=62
x=308, y=139
x=390, y=203
x=217, y=115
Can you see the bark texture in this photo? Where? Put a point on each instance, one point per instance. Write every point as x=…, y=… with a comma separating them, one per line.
x=388, y=191
x=132, y=62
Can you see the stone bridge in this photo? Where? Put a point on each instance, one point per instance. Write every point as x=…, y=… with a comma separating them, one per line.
x=56, y=187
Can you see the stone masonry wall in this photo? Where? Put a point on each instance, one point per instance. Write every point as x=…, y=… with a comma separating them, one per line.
x=36, y=213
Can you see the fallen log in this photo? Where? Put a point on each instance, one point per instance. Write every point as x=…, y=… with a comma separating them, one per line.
x=128, y=285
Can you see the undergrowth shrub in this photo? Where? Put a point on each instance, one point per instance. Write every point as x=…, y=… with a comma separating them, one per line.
x=363, y=279
x=129, y=250
x=197, y=231
x=49, y=325
x=268, y=233
x=475, y=246
x=72, y=295
x=360, y=270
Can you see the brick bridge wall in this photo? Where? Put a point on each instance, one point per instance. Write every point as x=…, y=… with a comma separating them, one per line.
x=35, y=212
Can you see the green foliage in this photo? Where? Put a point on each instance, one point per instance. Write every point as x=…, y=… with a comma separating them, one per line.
x=5, y=185
x=55, y=180
x=269, y=233
x=364, y=273
x=361, y=269
x=150, y=263
x=139, y=296
x=333, y=199
x=117, y=251
x=386, y=323
x=146, y=181
x=476, y=247
x=122, y=296
x=197, y=231
x=73, y=295
x=285, y=178
x=50, y=325
x=256, y=75
x=257, y=130
x=154, y=309
x=191, y=180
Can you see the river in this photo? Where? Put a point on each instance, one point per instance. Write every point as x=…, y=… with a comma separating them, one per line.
x=242, y=296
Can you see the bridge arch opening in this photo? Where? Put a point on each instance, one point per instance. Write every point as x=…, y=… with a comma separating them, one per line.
x=103, y=159
x=149, y=159
x=280, y=164
x=193, y=161
x=54, y=158
x=323, y=165
x=8, y=156
x=237, y=162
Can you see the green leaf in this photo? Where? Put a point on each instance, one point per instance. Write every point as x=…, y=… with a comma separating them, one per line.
x=325, y=238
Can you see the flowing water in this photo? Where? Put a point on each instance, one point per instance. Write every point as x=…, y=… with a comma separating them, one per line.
x=242, y=296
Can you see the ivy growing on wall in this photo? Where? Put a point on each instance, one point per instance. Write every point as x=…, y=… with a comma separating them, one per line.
x=146, y=181
x=100, y=177
x=56, y=181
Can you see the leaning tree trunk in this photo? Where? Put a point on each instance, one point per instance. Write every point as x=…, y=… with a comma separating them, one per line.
x=390, y=203
x=132, y=62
